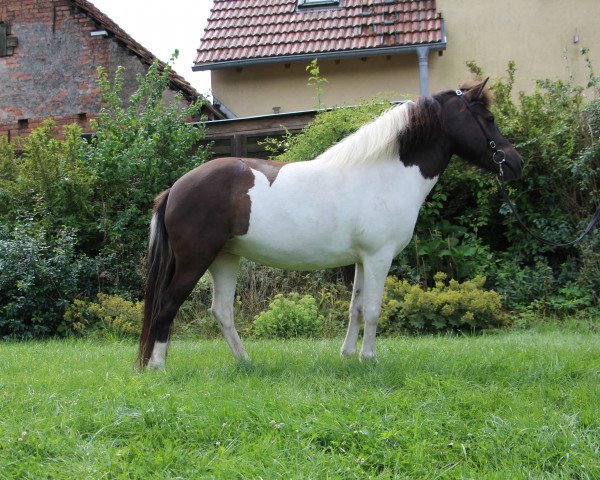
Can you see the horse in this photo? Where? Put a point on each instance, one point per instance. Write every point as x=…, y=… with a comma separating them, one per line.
x=357, y=203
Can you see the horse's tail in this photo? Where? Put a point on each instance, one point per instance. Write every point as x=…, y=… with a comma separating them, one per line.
x=160, y=265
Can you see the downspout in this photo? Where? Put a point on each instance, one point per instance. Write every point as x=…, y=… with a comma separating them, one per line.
x=423, y=54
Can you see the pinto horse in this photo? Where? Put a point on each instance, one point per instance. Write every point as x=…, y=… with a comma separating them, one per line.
x=357, y=203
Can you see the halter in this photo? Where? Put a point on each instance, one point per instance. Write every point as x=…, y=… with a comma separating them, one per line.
x=498, y=155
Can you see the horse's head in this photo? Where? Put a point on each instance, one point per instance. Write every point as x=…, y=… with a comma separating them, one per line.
x=473, y=133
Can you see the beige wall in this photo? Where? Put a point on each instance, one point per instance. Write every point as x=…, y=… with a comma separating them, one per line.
x=537, y=34
x=256, y=90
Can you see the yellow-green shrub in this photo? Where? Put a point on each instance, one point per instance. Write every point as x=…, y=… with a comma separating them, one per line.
x=288, y=317
x=111, y=315
x=447, y=306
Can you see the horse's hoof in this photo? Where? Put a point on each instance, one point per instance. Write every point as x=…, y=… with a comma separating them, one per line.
x=156, y=367
x=368, y=357
x=244, y=360
x=347, y=354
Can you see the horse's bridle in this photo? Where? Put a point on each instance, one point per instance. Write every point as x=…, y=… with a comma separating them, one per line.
x=499, y=157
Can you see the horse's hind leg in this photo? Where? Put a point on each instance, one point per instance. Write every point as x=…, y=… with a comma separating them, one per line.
x=224, y=270
x=181, y=285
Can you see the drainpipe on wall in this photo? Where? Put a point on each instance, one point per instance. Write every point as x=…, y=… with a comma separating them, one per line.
x=423, y=54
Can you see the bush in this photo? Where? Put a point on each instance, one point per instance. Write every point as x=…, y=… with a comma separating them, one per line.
x=288, y=317
x=111, y=316
x=447, y=306
x=49, y=183
x=40, y=274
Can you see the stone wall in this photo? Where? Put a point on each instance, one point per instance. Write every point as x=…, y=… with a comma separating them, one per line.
x=52, y=71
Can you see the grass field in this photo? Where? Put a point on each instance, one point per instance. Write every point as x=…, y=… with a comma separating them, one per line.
x=511, y=405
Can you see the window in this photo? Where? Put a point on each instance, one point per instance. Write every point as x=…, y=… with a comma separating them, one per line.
x=7, y=42
x=317, y=3
x=3, y=35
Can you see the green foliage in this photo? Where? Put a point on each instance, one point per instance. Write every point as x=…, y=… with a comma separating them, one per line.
x=521, y=284
x=256, y=285
x=39, y=275
x=87, y=207
x=50, y=183
x=447, y=306
x=111, y=316
x=288, y=317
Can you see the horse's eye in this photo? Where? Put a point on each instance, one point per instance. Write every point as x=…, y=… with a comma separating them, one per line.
x=489, y=118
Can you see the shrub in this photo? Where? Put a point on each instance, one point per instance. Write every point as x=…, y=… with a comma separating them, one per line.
x=447, y=306
x=288, y=317
x=40, y=274
x=49, y=183
x=111, y=316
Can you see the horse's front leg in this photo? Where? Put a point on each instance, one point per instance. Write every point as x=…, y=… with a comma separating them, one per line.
x=355, y=317
x=375, y=273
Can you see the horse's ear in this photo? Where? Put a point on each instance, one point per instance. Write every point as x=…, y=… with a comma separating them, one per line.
x=476, y=91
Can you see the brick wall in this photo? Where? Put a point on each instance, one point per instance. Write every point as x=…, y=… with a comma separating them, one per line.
x=51, y=73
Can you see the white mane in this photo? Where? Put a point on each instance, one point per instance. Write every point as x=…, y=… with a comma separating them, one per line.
x=376, y=139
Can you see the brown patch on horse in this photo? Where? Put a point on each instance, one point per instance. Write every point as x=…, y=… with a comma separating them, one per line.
x=211, y=204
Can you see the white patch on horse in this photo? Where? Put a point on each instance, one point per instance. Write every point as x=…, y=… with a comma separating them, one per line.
x=316, y=217
x=159, y=353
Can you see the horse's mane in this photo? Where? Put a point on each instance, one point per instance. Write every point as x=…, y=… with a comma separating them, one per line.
x=376, y=139
x=397, y=131
x=424, y=124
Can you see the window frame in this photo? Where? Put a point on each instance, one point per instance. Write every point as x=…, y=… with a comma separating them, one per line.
x=306, y=4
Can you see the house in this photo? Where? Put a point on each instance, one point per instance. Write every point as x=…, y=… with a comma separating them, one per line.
x=49, y=53
x=257, y=51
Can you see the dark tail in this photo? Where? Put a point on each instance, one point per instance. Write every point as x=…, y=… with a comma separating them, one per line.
x=159, y=272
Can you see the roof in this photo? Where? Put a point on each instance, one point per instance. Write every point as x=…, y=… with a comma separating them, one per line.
x=176, y=82
x=268, y=31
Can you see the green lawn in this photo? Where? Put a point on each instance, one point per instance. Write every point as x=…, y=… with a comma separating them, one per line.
x=514, y=405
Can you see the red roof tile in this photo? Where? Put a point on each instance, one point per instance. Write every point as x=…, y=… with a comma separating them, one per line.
x=267, y=29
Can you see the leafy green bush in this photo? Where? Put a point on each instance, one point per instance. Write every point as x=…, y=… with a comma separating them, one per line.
x=288, y=317
x=447, y=306
x=111, y=316
x=49, y=183
x=40, y=274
